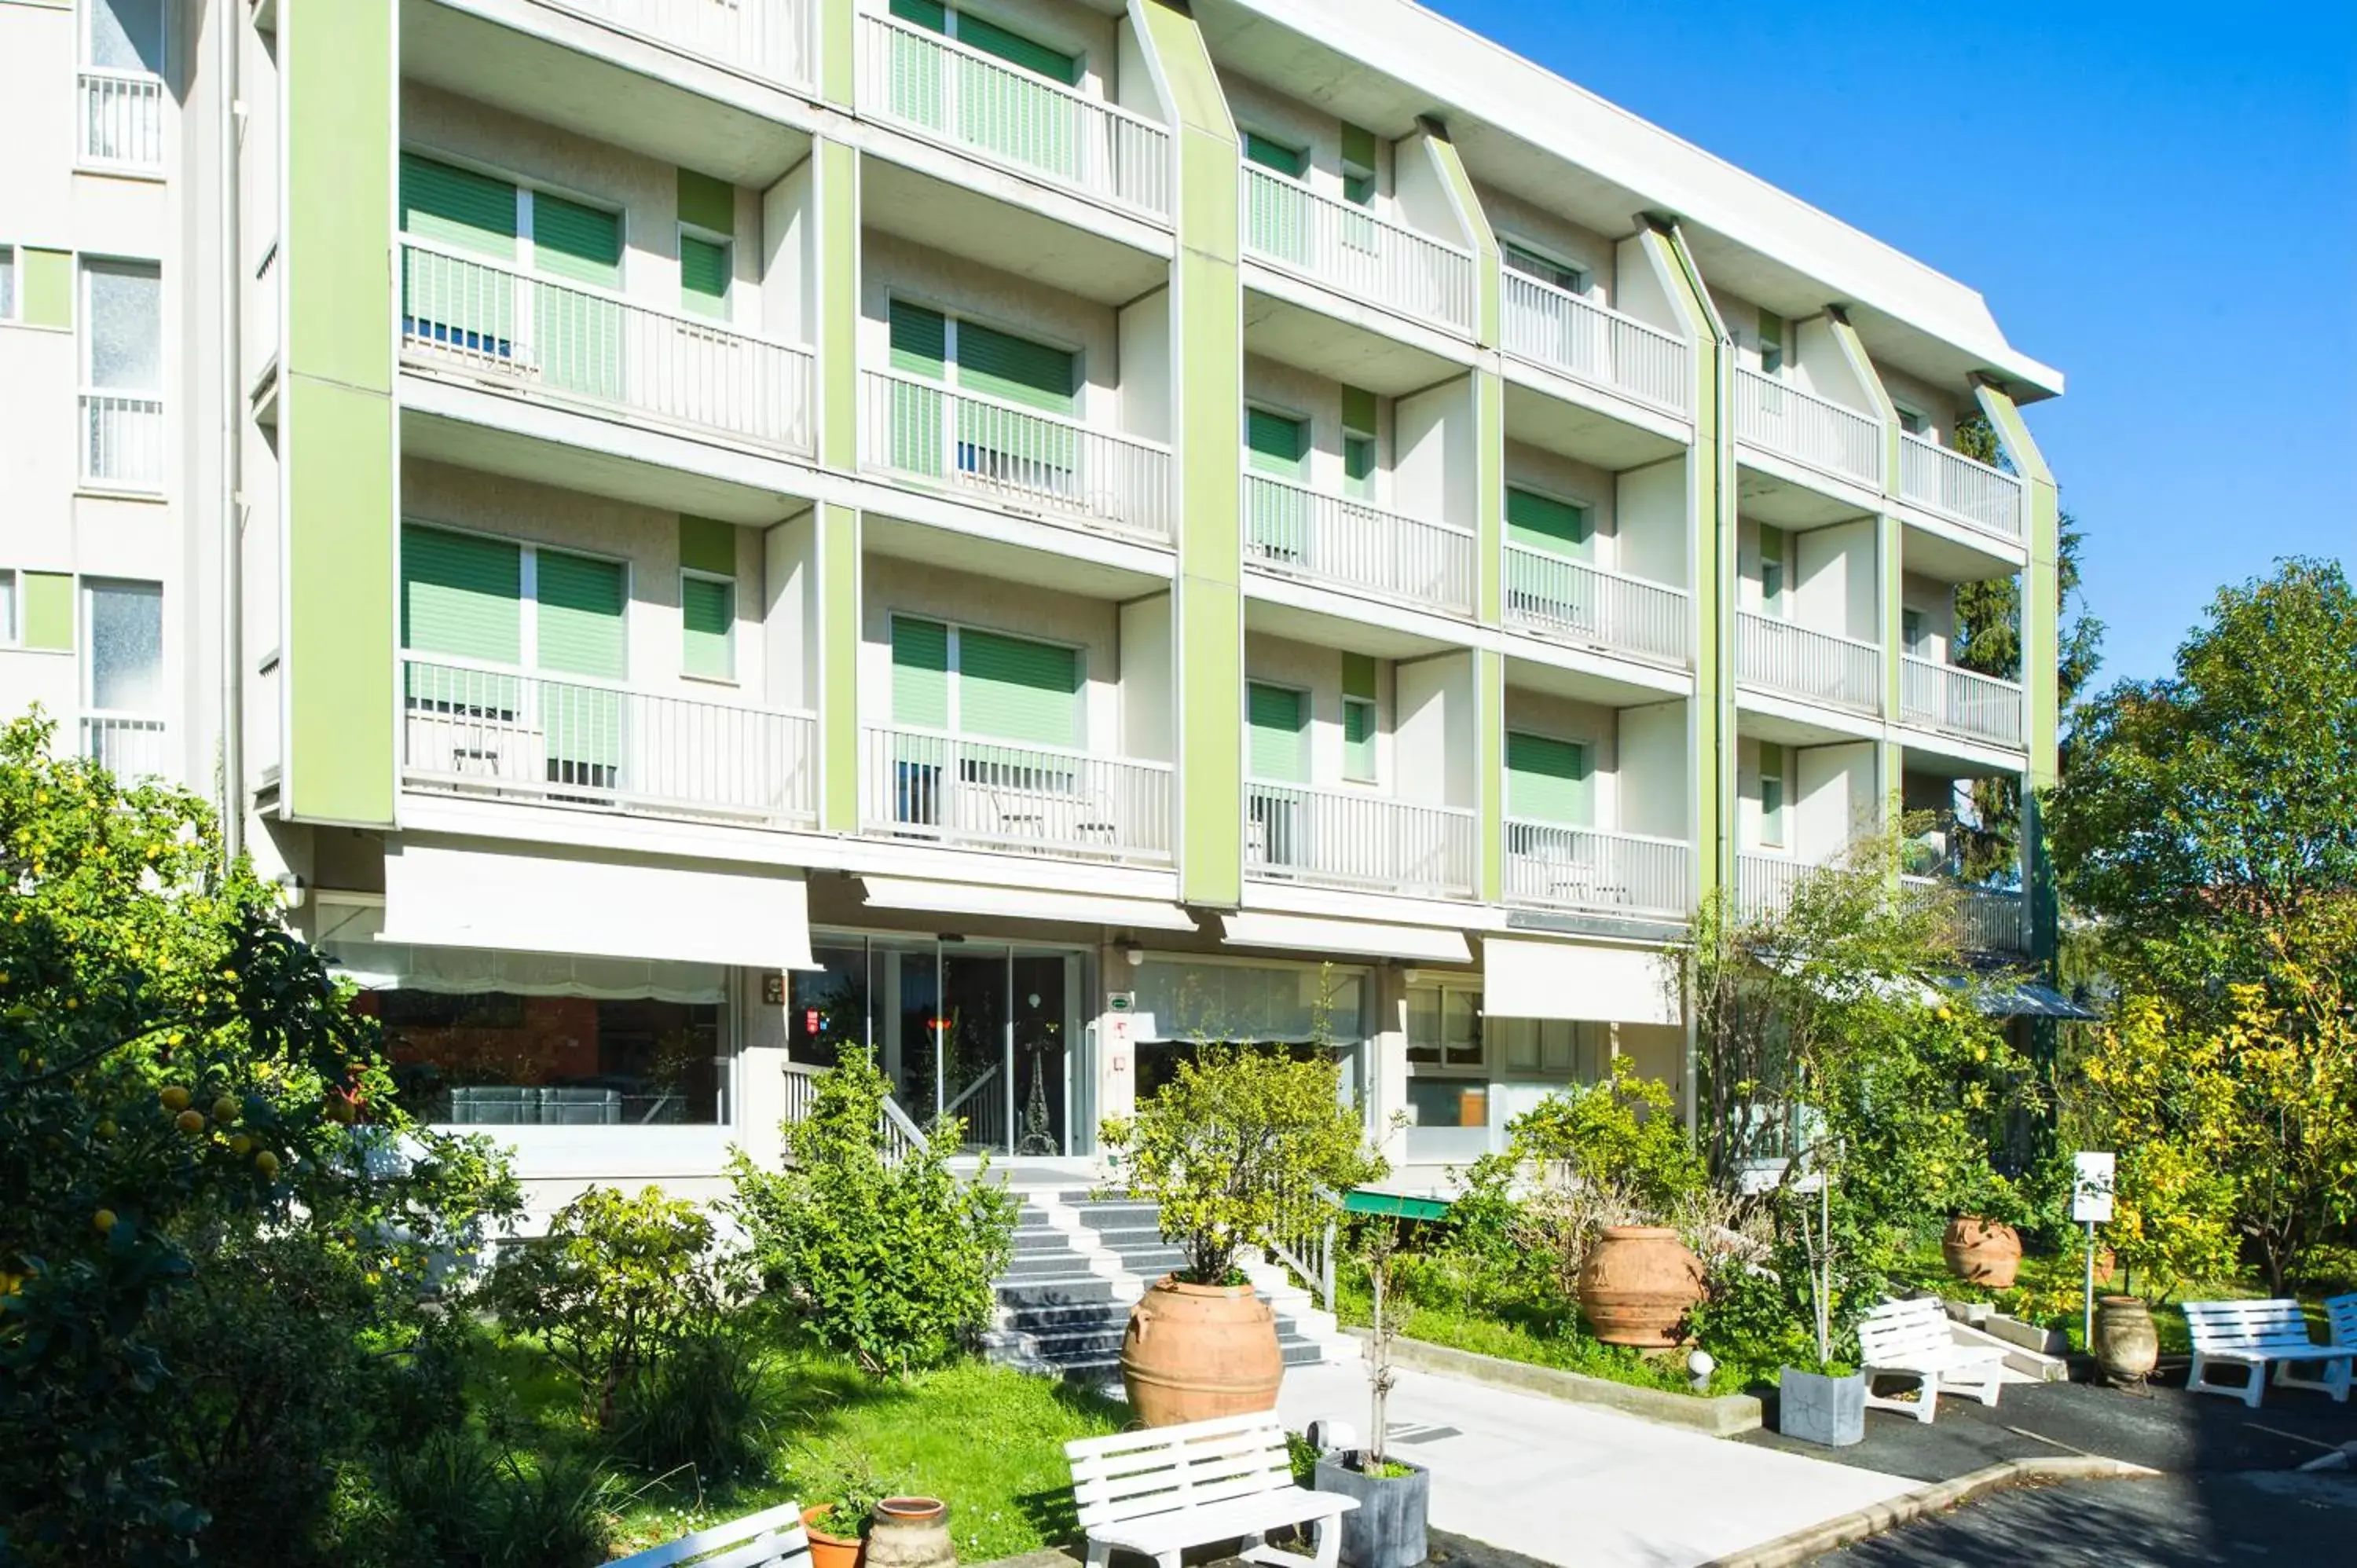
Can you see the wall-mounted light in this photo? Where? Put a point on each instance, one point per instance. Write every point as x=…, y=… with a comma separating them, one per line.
x=1132, y=952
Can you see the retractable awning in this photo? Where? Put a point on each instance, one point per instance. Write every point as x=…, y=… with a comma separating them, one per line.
x=1023, y=904
x=2030, y=999
x=1567, y=979
x=1351, y=938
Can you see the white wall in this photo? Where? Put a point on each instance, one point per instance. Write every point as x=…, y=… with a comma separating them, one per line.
x=1642, y=289
x=1833, y=799
x=1833, y=579
x=891, y=266
x=789, y=576
x=1435, y=471
x=1438, y=750
x=1567, y=479
x=1424, y=198
x=1651, y=538
x=1148, y=730
x=1145, y=366
x=790, y=268
x=1816, y=361
x=1656, y=797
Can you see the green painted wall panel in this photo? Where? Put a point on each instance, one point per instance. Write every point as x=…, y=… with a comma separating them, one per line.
x=706, y=202
x=45, y=287
x=49, y=611
x=1489, y=721
x=707, y=544
x=837, y=196
x=1358, y=675
x=838, y=683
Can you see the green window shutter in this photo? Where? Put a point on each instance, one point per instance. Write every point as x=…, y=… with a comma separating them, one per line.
x=1358, y=740
x=1546, y=780
x=1278, y=441
x=1358, y=466
x=708, y=618
x=461, y=595
x=1013, y=688
x=457, y=206
x=1772, y=570
x=920, y=340
x=1277, y=752
x=1269, y=154
x=581, y=620
x=1771, y=342
x=928, y=14
x=703, y=276
x=1542, y=522
x=1358, y=189
x=920, y=673
x=570, y=241
x=1003, y=365
x=1017, y=50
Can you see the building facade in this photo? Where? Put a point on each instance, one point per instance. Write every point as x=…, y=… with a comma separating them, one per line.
x=694, y=534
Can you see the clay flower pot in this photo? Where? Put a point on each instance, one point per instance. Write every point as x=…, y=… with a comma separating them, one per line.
x=911, y=1532
x=2127, y=1346
x=1638, y=1285
x=1194, y=1352
x=1982, y=1251
x=827, y=1549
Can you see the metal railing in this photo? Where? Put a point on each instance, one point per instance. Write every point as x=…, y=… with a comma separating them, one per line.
x=122, y=120
x=897, y=1136
x=1573, y=600
x=1585, y=868
x=1351, y=839
x=1801, y=662
x=572, y=344
x=1965, y=702
x=1352, y=252
x=1292, y=529
x=123, y=441
x=767, y=39
x=480, y=730
x=1589, y=342
x=1014, y=455
x=1988, y=919
x=1012, y=116
x=1807, y=428
x=1302, y=1240
x=1955, y=485
x=1039, y=800
x=1764, y=883
x=125, y=745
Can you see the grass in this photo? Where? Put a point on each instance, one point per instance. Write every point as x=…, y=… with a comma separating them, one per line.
x=1534, y=1336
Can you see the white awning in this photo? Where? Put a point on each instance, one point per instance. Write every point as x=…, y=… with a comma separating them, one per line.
x=1354, y=939
x=1024, y=904
x=550, y=900
x=1575, y=979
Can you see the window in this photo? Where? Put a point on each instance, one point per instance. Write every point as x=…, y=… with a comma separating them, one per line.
x=1912, y=636
x=1359, y=740
x=1271, y=154
x=1277, y=211
x=1771, y=796
x=9, y=636
x=1277, y=516
x=122, y=647
x=991, y=39
x=1359, y=187
x=1359, y=467
x=1558, y=1049
x=7, y=282
x=1913, y=421
x=1771, y=343
x=705, y=271
x=997, y=444
x=708, y=618
x=125, y=36
x=1533, y=264
x=1547, y=779
x=124, y=345
x=1771, y=571
x=1548, y=524
x=1444, y=1028
x=1277, y=751
x=968, y=681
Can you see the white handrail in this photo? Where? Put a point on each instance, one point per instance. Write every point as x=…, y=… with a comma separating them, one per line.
x=1802, y=661
x=942, y=88
x=1570, y=599
x=122, y=120
x=571, y=343
x=1587, y=868
x=910, y=426
x=1964, y=488
x=767, y=39
x=1293, y=528
x=123, y=441
x=1590, y=343
x=1010, y=795
x=1988, y=919
x=129, y=745
x=1355, y=253
x=1764, y=883
x=1964, y=701
x=900, y=1136
x=1353, y=839
x=1801, y=425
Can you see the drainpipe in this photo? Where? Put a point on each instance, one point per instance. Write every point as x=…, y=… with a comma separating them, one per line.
x=229, y=17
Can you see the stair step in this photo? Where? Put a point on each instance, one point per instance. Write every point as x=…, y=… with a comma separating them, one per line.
x=1050, y=1294
x=1044, y=1265
x=1067, y=1319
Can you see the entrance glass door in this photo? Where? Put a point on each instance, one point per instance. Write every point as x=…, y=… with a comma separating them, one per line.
x=1043, y=987
x=973, y=1057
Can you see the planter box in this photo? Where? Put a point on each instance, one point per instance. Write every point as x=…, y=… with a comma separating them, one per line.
x=1819, y=1409
x=1715, y=1415
x=2029, y=1335
x=1386, y=1529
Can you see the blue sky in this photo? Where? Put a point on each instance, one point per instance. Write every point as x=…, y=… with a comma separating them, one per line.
x=2156, y=198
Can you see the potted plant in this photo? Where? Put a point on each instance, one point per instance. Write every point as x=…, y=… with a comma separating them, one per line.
x=1983, y=1246
x=911, y=1532
x=1824, y=1403
x=1386, y=1529
x=1233, y=1143
x=849, y=1489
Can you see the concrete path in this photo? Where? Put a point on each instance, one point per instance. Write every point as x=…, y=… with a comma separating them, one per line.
x=1568, y=1483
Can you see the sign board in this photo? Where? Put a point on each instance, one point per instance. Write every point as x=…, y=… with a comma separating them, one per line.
x=2090, y=1187
x=1120, y=1000
x=773, y=988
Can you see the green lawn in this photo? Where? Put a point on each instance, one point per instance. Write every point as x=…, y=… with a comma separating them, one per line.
x=1534, y=1338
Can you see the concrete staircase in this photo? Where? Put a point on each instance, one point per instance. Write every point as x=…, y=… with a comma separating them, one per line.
x=1079, y=1261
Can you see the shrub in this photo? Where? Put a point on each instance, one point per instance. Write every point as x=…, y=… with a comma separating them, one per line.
x=461, y=1501
x=888, y=1260
x=710, y=1406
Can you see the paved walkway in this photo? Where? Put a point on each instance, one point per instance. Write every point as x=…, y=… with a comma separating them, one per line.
x=1569, y=1484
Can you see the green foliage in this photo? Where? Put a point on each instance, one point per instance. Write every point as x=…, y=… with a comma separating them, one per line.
x=1754, y=1320
x=845, y=1480
x=461, y=1501
x=888, y=1260
x=1622, y=1132
x=1238, y=1145
x=708, y=1406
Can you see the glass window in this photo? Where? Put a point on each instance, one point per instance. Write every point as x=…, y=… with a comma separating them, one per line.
x=1447, y=1103
x=1913, y=421
x=1771, y=796
x=7, y=607
x=1556, y=1049
x=1444, y=1026
x=1358, y=740
x=1910, y=631
x=708, y=615
x=126, y=337
x=126, y=34
x=7, y=282
x=123, y=652
x=1546, y=269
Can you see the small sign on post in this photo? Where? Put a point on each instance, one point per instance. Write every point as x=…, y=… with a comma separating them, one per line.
x=2091, y=1203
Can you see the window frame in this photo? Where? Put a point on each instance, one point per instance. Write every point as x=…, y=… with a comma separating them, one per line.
x=1774, y=815
x=727, y=581
x=1468, y=987
x=953, y=650
x=12, y=303
x=12, y=608
x=950, y=317
x=1374, y=776
x=726, y=244
x=528, y=602
x=1509, y=244
x=86, y=653
x=85, y=38
x=86, y=324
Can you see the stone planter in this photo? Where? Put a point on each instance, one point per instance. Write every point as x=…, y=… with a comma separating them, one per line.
x=2127, y=1346
x=828, y=1550
x=1982, y=1251
x=911, y=1532
x=1638, y=1285
x=1196, y=1352
x=1386, y=1529
x=1819, y=1409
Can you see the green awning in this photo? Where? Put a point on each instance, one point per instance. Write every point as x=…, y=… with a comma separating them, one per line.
x=1397, y=1205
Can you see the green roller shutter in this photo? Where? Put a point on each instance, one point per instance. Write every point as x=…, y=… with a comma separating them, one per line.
x=571, y=240
x=1277, y=519
x=703, y=276
x=1017, y=50
x=920, y=673
x=457, y=206
x=1542, y=522
x=451, y=302
x=707, y=615
x=1359, y=740
x=1278, y=752
x=461, y=595
x=920, y=340
x=579, y=340
x=580, y=606
x=930, y=14
x=1272, y=154
x=1013, y=688
x=1016, y=369
x=920, y=347
x=1278, y=441
x=1546, y=780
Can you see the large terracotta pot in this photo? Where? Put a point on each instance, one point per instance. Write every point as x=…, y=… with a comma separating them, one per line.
x=1982, y=1251
x=1193, y=1352
x=828, y=1550
x=1638, y=1285
x=911, y=1532
x=2127, y=1346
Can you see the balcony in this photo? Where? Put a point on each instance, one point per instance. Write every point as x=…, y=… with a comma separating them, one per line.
x=1960, y=489
x=1294, y=531
x=1786, y=422
x=131, y=748
x=1606, y=873
x=947, y=92
x=1574, y=602
x=1016, y=799
x=122, y=121
x=1353, y=253
x=472, y=320
x=1764, y=885
x=1015, y=457
x=1959, y=701
x=1336, y=839
x=122, y=442
x=1560, y=331
x=766, y=38
x=482, y=731
x=1988, y=921
x=1814, y=666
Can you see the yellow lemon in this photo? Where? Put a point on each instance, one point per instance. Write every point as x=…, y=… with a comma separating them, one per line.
x=106, y=1128
x=267, y=1162
x=104, y=1220
x=225, y=1109
x=175, y=1098
x=190, y=1120
x=240, y=1145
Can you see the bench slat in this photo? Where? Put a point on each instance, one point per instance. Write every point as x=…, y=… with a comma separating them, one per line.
x=779, y=1527
x=1146, y=1505
x=1194, y=1478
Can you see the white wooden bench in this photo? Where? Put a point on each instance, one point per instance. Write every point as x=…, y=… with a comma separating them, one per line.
x=1914, y=1340
x=1159, y=1491
x=771, y=1539
x=2255, y=1336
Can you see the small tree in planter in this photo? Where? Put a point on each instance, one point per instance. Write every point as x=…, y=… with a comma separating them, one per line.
x=1387, y=1529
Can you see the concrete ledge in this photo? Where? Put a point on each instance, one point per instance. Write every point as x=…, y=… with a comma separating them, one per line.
x=1851, y=1528
x=1721, y=1416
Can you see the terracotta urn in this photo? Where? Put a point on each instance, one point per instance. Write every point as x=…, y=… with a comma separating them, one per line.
x=2127, y=1346
x=1982, y=1251
x=1638, y=1284
x=828, y=1550
x=1193, y=1352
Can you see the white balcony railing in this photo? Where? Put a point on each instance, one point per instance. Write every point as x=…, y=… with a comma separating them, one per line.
x=1292, y=529
x=1014, y=455
x=1354, y=252
x=959, y=95
x=479, y=730
x=1584, y=868
x=1573, y=601
x=123, y=120
x=766, y=38
x=1036, y=799
x=1764, y=883
x=1988, y=919
x=123, y=441
x=1557, y=329
x=1818, y=431
x=1814, y=665
x=125, y=745
x=565, y=343
x=1964, y=701
x=1353, y=840
x=1955, y=485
